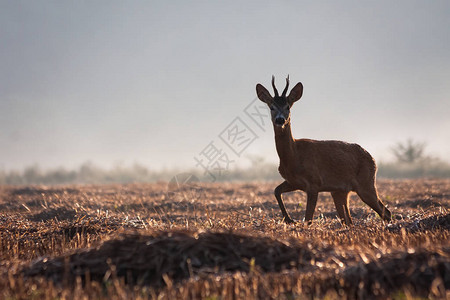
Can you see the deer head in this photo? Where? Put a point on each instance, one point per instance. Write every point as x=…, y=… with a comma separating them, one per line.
x=280, y=106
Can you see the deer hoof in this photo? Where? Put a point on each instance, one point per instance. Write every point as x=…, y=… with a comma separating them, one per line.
x=288, y=220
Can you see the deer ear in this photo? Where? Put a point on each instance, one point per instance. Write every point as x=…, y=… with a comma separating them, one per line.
x=295, y=94
x=263, y=94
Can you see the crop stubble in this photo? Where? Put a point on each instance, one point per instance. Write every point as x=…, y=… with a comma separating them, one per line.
x=220, y=241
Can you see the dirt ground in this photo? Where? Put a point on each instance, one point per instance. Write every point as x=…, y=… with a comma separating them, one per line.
x=220, y=241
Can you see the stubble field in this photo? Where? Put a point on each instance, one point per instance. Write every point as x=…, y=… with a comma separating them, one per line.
x=220, y=241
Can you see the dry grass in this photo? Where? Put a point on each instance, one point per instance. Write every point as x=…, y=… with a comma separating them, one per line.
x=220, y=241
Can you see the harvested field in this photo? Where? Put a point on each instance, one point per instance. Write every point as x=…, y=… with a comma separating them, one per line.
x=220, y=241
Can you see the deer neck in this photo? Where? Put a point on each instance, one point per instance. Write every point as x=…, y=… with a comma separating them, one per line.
x=285, y=143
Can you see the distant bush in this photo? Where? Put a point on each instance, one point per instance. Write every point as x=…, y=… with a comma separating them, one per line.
x=409, y=152
x=259, y=170
x=413, y=163
x=86, y=173
x=426, y=168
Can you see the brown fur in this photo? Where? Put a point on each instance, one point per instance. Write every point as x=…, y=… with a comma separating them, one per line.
x=318, y=166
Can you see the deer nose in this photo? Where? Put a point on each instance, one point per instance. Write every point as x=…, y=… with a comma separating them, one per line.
x=279, y=121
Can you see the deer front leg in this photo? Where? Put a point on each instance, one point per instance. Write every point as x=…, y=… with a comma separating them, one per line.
x=283, y=188
x=310, y=206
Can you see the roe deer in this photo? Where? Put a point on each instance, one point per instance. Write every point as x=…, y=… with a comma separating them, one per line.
x=318, y=166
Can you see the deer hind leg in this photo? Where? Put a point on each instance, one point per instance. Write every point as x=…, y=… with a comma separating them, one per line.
x=284, y=188
x=341, y=203
x=370, y=197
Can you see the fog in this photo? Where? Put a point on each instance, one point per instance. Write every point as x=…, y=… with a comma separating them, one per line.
x=123, y=82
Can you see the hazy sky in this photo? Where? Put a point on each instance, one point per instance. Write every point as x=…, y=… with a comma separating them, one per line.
x=155, y=82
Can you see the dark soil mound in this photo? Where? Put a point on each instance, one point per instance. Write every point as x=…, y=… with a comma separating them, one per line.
x=163, y=258
x=146, y=259
x=422, y=272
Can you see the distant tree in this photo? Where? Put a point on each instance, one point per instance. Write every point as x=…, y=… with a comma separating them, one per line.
x=32, y=175
x=409, y=151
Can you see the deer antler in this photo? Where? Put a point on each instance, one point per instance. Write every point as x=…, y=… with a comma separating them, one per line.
x=274, y=88
x=286, y=88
